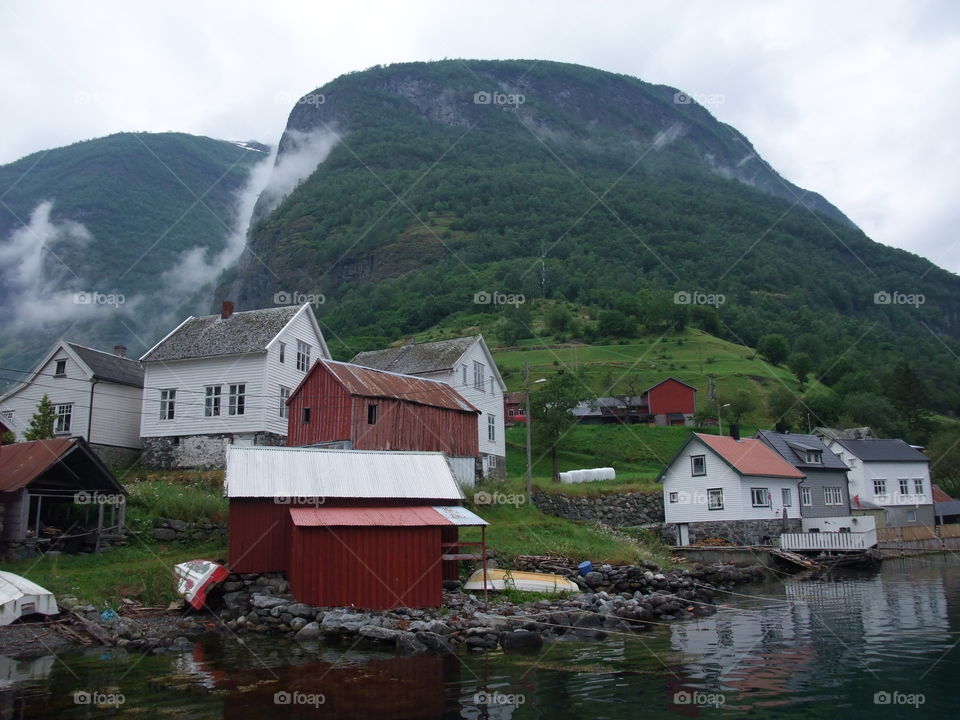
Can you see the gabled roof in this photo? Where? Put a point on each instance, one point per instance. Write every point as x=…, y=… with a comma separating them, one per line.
x=882, y=450
x=22, y=463
x=273, y=472
x=939, y=495
x=749, y=456
x=791, y=446
x=514, y=397
x=110, y=367
x=247, y=331
x=367, y=382
x=667, y=380
x=417, y=358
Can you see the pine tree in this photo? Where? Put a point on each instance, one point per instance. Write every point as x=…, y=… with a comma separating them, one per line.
x=41, y=424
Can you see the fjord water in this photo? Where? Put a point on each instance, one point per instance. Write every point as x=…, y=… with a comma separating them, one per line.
x=869, y=644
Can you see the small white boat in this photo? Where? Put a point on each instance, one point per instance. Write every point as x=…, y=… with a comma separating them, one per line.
x=517, y=580
x=20, y=597
x=196, y=577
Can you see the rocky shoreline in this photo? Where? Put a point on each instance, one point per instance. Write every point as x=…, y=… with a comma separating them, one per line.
x=613, y=600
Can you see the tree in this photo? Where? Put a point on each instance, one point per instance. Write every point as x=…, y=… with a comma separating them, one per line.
x=785, y=407
x=558, y=319
x=944, y=451
x=613, y=323
x=800, y=365
x=908, y=392
x=740, y=404
x=774, y=348
x=550, y=406
x=41, y=424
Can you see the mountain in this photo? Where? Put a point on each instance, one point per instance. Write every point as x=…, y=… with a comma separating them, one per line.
x=441, y=184
x=109, y=241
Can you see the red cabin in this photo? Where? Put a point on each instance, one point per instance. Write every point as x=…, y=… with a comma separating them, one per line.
x=671, y=402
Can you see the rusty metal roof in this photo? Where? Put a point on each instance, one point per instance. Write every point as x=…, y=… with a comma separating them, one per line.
x=369, y=382
x=305, y=472
x=749, y=456
x=415, y=358
x=21, y=463
x=409, y=516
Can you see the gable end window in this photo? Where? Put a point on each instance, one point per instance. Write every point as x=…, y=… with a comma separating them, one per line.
x=238, y=399
x=715, y=498
x=60, y=370
x=478, y=375
x=698, y=465
x=284, y=396
x=211, y=406
x=760, y=497
x=371, y=414
x=64, y=415
x=283, y=352
x=168, y=401
x=464, y=369
x=303, y=356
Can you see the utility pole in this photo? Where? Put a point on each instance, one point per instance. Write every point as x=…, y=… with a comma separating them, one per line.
x=526, y=391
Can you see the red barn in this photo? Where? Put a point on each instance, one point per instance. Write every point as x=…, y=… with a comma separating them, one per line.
x=366, y=528
x=671, y=402
x=356, y=408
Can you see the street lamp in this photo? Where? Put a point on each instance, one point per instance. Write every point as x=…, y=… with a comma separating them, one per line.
x=526, y=390
x=720, y=418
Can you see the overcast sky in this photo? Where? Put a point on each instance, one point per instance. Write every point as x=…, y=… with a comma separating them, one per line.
x=859, y=101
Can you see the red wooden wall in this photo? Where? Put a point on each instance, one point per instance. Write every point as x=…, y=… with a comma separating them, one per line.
x=671, y=397
x=330, y=409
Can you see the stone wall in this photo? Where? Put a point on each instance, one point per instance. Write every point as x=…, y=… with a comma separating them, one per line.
x=615, y=509
x=205, y=452
x=116, y=457
x=174, y=530
x=739, y=532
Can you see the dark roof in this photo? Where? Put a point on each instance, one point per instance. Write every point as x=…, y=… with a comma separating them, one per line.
x=66, y=462
x=514, y=397
x=950, y=507
x=368, y=382
x=790, y=447
x=417, y=358
x=107, y=366
x=248, y=331
x=887, y=450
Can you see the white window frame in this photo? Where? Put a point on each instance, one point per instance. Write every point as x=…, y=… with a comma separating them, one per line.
x=693, y=465
x=918, y=486
x=813, y=457
x=904, y=485
x=9, y=418
x=478, y=375
x=464, y=368
x=168, y=404
x=879, y=486
x=674, y=497
x=911, y=515
x=491, y=462
x=492, y=428
x=786, y=497
x=61, y=426
x=303, y=355
x=283, y=352
x=806, y=496
x=765, y=502
x=284, y=396
x=714, y=498
x=237, y=399
x=833, y=495
x=211, y=401
x=56, y=368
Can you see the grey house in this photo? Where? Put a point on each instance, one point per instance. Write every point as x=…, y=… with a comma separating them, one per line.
x=824, y=492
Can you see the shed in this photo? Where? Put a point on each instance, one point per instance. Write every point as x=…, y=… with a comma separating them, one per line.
x=58, y=491
x=374, y=529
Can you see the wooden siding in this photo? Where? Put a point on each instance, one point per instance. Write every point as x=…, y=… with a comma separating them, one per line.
x=259, y=536
x=671, y=397
x=338, y=567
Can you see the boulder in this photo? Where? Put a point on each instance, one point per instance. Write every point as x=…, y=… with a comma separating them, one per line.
x=310, y=631
x=267, y=601
x=301, y=610
x=164, y=534
x=382, y=634
x=521, y=640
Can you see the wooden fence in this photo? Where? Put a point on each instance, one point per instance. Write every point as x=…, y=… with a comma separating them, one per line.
x=910, y=540
x=828, y=540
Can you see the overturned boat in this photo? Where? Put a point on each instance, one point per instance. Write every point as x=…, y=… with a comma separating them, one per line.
x=195, y=578
x=20, y=597
x=524, y=581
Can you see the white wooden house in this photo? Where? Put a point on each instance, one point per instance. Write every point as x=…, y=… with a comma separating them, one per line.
x=738, y=490
x=224, y=379
x=96, y=395
x=467, y=364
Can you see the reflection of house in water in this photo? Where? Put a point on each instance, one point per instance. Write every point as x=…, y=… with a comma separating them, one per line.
x=13, y=672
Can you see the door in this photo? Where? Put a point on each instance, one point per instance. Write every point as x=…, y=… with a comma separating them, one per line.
x=683, y=534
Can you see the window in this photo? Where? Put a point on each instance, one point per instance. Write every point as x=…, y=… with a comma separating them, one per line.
x=879, y=487
x=8, y=417
x=305, y=417
x=904, y=486
x=918, y=486
x=787, y=496
x=491, y=385
x=211, y=406
x=284, y=396
x=832, y=496
x=238, y=399
x=674, y=497
x=477, y=375
x=491, y=461
x=510, y=412
x=64, y=415
x=760, y=497
x=464, y=369
x=911, y=515
x=303, y=356
x=168, y=399
x=813, y=457
x=806, y=497
x=492, y=428
x=371, y=414
x=283, y=352
x=60, y=369
x=715, y=499
x=698, y=465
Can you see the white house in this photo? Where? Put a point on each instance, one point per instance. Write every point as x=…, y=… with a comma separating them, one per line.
x=888, y=475
x=224, y=379
x=467, y=364
x=96, y=395
x=739, y=490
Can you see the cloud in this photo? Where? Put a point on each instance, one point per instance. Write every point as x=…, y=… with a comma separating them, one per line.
x=302, y=153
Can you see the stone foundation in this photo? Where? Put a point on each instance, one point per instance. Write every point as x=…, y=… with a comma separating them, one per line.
x=204, y=452
x=739, y=532
x=116, y=457
x=615, y=509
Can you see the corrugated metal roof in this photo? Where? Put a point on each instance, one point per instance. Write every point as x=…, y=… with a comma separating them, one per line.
x=108, y=366
x=750, y=456
x=887, y=450
x=939, y=495
x=278, y=472
x=411, y=516
x=416, y=358
x=369, y=382
x=21, y=463
x=459, y=515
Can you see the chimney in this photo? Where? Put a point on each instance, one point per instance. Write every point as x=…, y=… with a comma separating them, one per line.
x=781, y=428
x=735, y=431
x=120, y=350
x=226, y=310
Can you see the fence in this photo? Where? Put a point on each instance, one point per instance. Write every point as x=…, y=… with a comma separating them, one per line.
x=828, y=541
x=895, y=541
